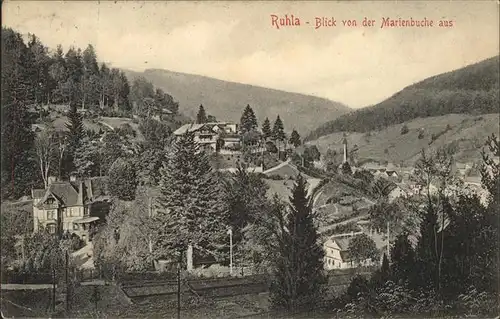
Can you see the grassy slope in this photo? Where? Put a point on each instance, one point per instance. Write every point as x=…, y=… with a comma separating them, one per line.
x=226, y=100
x=282, y=188
x=467, y=131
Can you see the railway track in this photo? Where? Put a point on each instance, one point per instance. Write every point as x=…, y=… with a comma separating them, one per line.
x=213, y=288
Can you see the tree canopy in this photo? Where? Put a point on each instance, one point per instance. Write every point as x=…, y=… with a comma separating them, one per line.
x=191, y=209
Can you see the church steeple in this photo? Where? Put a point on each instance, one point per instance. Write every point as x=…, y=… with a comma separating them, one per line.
x=344, y=141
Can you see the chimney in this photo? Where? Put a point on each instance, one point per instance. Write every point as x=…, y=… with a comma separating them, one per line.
x=52, y=179
x=89, y=189
x=80, y=193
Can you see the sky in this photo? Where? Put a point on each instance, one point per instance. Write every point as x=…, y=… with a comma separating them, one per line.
x=236, y=41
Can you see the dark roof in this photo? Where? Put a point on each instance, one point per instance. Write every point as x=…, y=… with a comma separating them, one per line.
x=38, y=193
x=343, y=242
x=345, y=256
x=67, y=193
x=64, y=192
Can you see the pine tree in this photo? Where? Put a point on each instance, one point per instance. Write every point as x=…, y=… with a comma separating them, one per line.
x=74, y=136
x=18, y=166
x=90, y=78
x=298, y=268
x=278, y=130
x=74, y=126
x=427, y=248
x=201, y=117
x=72, y=87
x=123, y=94
x=16, y=84
x=39, y=63
x=191, y=206
x=248, y=121
x=105, y=86
x=403, y=258
x=382, y=275
x=266, y=129
x=58, y=73
x=278, y=134
x=295, y=138
x=246, y=196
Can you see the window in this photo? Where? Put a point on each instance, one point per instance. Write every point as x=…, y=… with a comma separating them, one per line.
x=74, y=212
x=51, y=214
x=75, y=226
x=50, y=201
x=68, y=212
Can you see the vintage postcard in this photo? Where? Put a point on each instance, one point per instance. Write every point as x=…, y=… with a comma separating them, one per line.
x=250, y=159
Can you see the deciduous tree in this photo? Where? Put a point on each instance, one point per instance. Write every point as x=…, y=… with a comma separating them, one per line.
x=122, y=179
x=45, y=147
x=361, y=248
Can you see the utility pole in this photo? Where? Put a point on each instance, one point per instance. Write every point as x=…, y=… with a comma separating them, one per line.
x=67, y=283
x=179, y=286
x=150, y=213
x=388, y=241
x=53, y=289
x=230, y=232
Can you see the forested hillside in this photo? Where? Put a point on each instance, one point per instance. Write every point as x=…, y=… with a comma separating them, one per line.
x=226, y=100
x=45, y=86
x=471, y=90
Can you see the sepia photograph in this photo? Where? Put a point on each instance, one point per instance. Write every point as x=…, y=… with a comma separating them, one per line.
x=250, y=159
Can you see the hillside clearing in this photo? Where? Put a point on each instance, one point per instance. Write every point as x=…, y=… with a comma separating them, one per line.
x=466, y=135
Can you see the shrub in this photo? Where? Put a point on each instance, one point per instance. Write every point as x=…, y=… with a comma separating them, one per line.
x=421, y=134
x=404, y=129
x=346, y=169
x=126, y=130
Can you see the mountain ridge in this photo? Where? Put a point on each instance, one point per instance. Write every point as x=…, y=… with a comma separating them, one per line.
x=473, y=89
x=226, y=100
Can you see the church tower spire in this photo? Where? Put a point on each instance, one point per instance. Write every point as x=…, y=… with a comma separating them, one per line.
x=344, y=141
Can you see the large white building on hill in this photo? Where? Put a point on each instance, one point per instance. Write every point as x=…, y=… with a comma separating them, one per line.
x=207, y=134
